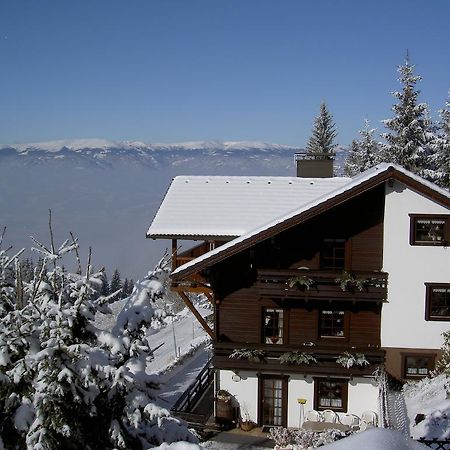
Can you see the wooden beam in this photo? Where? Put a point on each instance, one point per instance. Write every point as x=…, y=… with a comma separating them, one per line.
x=209, y=297
x=174, y=254
x=187, y=288
x=202, y=321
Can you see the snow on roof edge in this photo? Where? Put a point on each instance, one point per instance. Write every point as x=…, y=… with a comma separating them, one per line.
x=355, y=181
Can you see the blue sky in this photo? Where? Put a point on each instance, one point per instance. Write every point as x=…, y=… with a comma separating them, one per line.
x=178, y=70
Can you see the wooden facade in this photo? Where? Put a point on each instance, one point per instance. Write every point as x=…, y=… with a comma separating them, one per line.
x=261, y=278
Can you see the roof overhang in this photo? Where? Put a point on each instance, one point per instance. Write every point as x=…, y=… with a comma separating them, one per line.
x=191, y=237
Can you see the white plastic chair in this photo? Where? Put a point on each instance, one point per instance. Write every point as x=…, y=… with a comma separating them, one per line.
x=370, y=417
x=363, y=425
x=351, y=420
x=313, y=416
x=329, y=416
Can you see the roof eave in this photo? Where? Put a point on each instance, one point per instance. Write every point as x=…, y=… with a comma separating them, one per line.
x=192, y=237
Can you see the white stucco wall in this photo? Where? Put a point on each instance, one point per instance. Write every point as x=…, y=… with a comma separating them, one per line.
x=362, y=394
x=299, y=387
x=403, y=317
x=245, y=391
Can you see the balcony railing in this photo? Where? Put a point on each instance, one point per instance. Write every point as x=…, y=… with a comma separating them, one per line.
x=322, y=285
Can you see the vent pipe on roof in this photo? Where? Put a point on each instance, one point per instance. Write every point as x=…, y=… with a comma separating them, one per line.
x=314, y=165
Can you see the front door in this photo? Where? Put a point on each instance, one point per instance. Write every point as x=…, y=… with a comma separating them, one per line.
x=272, y=400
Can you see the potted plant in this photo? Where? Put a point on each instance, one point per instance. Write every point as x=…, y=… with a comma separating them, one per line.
x=297, y=358
x=224, y=408
x=348, y=282
x=302, y=282
x=256, y=356
x=247, y=424
x=348, y=360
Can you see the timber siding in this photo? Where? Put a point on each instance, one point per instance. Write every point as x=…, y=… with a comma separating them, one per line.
x=240, y=321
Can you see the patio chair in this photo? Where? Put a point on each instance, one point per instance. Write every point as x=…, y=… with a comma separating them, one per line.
x=329, y=416
x=363, y=425
x=313, y=416
x=351, y=420
x=370, y=417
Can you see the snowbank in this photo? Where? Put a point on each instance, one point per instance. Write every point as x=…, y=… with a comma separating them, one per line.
x=429, y=397
x=375, y=439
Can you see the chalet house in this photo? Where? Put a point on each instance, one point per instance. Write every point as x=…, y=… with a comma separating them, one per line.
x=316, y=282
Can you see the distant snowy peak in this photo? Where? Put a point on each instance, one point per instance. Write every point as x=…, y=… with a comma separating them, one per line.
x=103, y=144
x=56, y=146
x=201, y=157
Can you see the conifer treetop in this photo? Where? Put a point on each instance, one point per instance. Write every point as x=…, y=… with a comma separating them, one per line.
x=409, y=131
x=323, y=133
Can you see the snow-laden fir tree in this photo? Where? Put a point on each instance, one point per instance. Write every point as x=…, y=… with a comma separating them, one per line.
x=63, y=382
x=116, y=282
x=323, y=133
x=409, y=131
x=441, y=149
x=363, y=153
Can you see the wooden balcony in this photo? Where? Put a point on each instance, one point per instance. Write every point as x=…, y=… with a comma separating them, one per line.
x=322, y=285
x=325, y=359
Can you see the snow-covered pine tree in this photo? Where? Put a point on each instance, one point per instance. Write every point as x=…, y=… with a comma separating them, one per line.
x=323, y=133
x=364, y=153
x=105, y=285
x=410, y=133
x=441, y=148
x=63, y=382
x=443, y=363
x=116, y=282
x=125, y=288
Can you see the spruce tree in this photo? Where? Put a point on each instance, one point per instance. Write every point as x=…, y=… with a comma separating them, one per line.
x=116, y=282
x=323, y=133
x=105, y=285
x=364, y=153
x=63, y=382
x=130, y=286
x=125, y=288
x=409, y=131
x=441, y=148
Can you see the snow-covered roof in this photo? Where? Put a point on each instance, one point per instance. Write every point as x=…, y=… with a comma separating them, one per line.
x=352, y=186
x=201, y=206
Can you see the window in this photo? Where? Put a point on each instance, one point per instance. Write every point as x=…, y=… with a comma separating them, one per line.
x=429, y=230
x=333, y=254
x=273, y=326
x=417, y=366
x=331, y=323
x=330, y=394
x=437, y=304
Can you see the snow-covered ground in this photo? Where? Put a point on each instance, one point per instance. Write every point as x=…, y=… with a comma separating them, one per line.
x=181, y=350
x=429, y=397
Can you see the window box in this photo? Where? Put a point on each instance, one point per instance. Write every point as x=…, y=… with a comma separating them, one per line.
x=432, y=229
x=330, y=393
x=437, y=303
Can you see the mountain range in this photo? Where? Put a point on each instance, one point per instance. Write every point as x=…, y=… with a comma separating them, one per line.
x=107, y=192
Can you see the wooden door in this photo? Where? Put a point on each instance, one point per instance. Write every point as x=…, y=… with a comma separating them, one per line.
x=272, y=400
